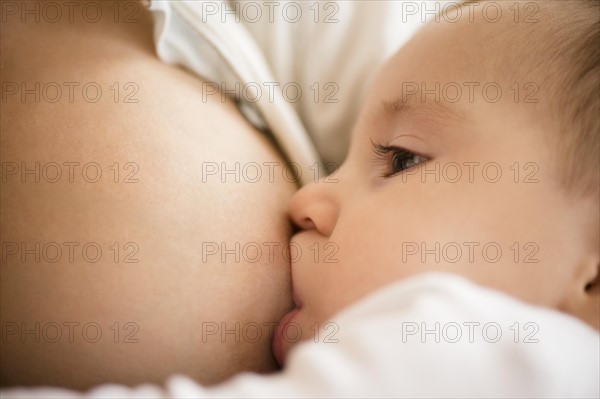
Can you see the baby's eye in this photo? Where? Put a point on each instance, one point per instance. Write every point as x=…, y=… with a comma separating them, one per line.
x=397, y=159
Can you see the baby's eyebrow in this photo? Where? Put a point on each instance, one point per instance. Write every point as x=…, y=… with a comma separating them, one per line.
x=406, y=107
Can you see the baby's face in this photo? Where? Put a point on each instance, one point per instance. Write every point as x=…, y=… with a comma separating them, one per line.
x=481, y=198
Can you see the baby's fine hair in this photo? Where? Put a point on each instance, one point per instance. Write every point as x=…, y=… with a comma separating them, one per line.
x=561, y=51
x=575, y=47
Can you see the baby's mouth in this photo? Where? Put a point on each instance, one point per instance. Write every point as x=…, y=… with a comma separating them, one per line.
x=280, y=344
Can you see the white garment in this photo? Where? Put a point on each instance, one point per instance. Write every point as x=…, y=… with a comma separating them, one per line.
x=324, y=54
x=377, y=356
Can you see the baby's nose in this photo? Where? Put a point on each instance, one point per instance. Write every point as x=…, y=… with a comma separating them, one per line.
x=315, y=207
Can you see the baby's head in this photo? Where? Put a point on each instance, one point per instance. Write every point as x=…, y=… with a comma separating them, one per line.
x=476, y=154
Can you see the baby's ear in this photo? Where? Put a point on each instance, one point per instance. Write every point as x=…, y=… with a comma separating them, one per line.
x=593, y=286
x=583, y=300
x=592, y=300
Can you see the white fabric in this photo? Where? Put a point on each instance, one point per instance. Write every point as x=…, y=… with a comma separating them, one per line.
x=330, y=50
x=375, y=355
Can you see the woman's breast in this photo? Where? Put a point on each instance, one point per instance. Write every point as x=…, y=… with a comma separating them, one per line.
x=133, y=222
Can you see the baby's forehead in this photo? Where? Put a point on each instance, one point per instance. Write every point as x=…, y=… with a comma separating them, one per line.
x=486, y=40
x=526, y=12
x=489, y=23
x=484, y=50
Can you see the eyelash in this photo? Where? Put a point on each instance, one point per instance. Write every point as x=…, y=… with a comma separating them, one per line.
x=386, y=155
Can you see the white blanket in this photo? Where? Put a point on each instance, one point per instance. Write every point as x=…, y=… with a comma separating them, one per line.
x=300, y=68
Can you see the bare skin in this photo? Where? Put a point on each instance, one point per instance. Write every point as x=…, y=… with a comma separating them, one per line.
x=173, y=292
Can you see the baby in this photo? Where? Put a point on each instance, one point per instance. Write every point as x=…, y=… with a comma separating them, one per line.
x=476, y=154
x=459, y=240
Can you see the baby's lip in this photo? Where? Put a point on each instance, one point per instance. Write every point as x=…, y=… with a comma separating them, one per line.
x=297, y=301
x=295, y=293
x=277, y=342
x=278, y=338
